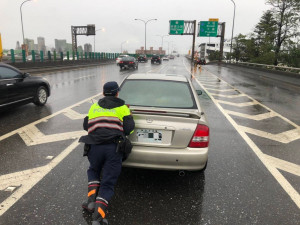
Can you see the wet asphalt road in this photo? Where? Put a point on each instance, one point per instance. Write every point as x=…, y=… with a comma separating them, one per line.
x=239, y=186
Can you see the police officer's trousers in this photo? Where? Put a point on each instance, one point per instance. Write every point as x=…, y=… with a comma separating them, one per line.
x=104, y=158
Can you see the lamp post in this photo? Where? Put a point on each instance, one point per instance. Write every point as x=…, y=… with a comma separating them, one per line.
x=122, y=45
x=22, y=20
x=145, y=22
x=162, y=39
x=232, y=28
x=94, y=39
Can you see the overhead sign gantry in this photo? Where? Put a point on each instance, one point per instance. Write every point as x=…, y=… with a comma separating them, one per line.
x=81, y=30
x=184, y=27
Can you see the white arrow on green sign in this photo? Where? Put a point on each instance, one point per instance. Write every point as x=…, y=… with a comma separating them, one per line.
x=176, y=27
x=208, y=29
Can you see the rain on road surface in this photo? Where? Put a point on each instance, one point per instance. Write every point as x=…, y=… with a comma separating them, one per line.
x=253, y=169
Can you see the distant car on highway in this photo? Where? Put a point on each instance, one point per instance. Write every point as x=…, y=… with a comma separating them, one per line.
x=171, y=132
x=17, y=88
x=155, y=59
x=142, y=58
x=165, y=58
x=172, y=57
x=128, y=62
x=118, y=59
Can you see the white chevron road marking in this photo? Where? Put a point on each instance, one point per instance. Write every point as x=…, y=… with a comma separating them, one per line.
x=237, y=104
x=220, y=90
x=26, y=179
x=284, y=165
x=253, y=117
x=215, y=85
x=270, y=163
x=31, y=135
x=228, y=96
x=283, y=137
x=73, y=115
x=20, y=130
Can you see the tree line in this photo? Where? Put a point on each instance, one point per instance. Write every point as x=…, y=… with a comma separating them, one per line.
x=275, y=39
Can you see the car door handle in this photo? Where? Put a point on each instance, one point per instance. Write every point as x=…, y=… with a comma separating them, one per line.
x=9, y=84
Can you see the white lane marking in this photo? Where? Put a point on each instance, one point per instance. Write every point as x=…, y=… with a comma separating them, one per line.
x=237, y=104
x=253, y=117
x=27, y=179
x=289, y=189
x=284, y=165
x=218, y=85
x=45, y=118
x=31, y=135
x=283, y=137
x=220, y=90
x=73, y=115
x=228, y=96
x=79, y=78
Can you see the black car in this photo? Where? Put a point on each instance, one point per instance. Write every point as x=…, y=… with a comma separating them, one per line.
x=155, y=59
x=17, y=88
x=142, y=58
x=128, y=62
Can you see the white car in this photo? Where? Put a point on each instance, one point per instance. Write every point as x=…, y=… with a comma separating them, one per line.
x=165, y=58
x=118, y=59
x=171, y=132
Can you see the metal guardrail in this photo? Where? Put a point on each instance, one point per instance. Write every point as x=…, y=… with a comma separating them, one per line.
x=265, y=66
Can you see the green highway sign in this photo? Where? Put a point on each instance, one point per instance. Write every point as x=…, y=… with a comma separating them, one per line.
x=208, y=29
x=176, y=27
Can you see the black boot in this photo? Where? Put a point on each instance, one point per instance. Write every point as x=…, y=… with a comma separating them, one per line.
x=100, y=212
x=93, y=189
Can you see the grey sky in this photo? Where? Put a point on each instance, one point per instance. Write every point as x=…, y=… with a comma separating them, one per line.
x=53, y=19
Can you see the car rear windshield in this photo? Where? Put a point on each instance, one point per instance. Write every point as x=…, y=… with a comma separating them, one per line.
x=157, y=93
x=128, y=59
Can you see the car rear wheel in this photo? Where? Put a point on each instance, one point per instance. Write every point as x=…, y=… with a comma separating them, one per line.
x=41, y=96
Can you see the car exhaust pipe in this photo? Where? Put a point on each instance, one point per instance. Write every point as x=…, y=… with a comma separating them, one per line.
x=181, y=173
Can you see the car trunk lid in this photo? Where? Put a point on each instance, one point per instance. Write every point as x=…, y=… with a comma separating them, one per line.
x=164, y=127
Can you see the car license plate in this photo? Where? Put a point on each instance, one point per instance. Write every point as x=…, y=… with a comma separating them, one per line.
x=149, y=135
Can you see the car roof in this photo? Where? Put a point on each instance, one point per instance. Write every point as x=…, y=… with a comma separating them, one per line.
x=159, y=76
x=9, y=66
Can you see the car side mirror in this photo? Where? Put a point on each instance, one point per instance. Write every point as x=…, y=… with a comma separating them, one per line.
x=26, y=75
x=199, y=92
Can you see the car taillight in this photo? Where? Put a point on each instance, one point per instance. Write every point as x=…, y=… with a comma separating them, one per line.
x=131, y=62
x=121, y=62
x=200, y=138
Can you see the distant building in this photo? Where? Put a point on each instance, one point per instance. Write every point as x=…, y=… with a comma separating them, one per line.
x=68, y=48
x=88, y=48
x=206, y=48
x=79, y=48
x=41, y=44
x=151, y=51
x=30, y=44
x=60, y=45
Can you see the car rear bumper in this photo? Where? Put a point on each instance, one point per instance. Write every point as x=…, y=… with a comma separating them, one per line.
x=167, y=158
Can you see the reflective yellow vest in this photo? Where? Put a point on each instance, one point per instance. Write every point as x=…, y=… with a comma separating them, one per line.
x=107, y=118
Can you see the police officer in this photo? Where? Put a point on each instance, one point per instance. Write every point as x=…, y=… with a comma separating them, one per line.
x=107, y=120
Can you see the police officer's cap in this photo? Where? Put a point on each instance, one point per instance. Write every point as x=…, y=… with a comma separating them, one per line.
x=110, y=88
